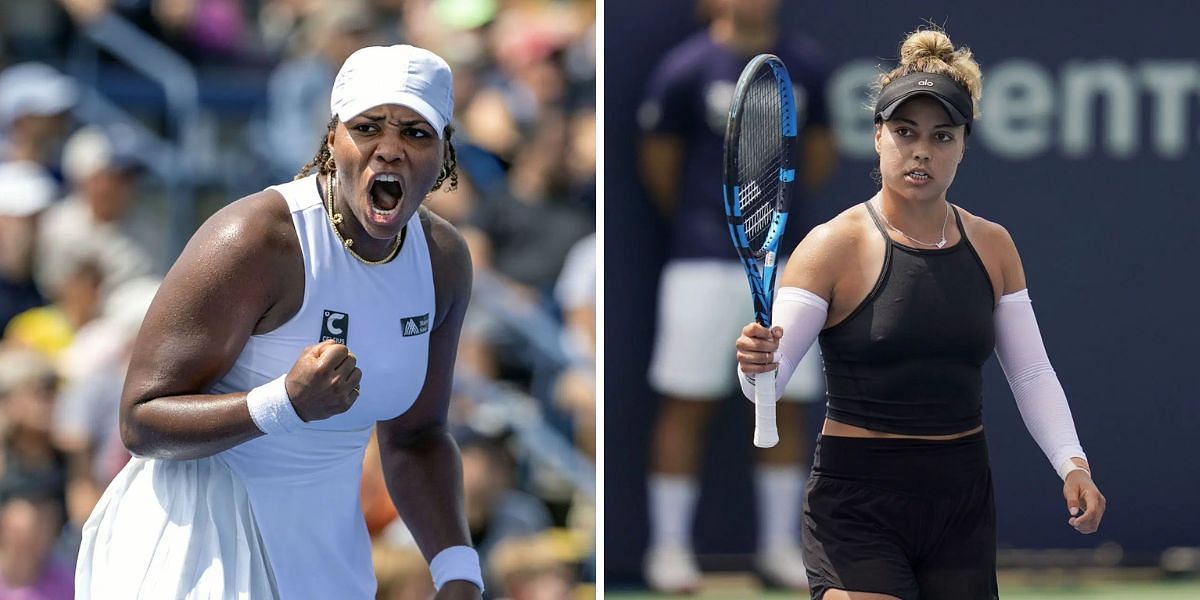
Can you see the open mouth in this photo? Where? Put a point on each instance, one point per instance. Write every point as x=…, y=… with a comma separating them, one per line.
x=386, y=194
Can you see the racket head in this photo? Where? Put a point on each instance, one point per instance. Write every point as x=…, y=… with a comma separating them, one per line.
x=760, y=140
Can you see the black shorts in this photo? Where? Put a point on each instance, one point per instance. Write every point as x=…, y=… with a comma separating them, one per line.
x=915, y=519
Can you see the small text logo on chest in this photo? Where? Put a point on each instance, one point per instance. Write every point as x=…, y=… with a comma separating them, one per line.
x=417, y=325
x=335, y=326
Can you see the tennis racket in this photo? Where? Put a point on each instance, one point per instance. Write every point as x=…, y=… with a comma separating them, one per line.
x=760, y=139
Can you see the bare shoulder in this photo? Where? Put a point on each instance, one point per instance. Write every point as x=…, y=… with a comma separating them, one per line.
x=451, y=263
x=850, y=226
x=252, y=224
x=249, y=248
x=984, y=233
x=446, y=243
x=826, y=252
x=837, y=238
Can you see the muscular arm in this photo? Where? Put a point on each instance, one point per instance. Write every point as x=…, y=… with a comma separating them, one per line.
x=660, y=162
x=228, y=279
x=420, y=459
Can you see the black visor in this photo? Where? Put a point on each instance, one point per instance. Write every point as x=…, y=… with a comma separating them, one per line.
x=954, y=98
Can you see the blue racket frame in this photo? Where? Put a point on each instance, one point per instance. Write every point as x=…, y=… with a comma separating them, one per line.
x=761, y=279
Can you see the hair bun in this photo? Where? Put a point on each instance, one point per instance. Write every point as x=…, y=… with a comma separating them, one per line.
x=931, y=51
x=923, y=46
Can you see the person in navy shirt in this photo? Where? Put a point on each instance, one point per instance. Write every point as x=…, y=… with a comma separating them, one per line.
x=703, y=295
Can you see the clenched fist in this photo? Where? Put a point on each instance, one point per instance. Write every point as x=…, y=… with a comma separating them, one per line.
x=323, y=382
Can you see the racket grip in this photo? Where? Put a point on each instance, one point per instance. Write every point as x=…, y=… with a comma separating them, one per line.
x=765, y=433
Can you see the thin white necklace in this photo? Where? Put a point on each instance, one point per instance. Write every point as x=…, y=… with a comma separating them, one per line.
x=939, y=244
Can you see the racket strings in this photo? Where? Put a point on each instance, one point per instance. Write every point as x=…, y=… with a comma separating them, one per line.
x=761, y=156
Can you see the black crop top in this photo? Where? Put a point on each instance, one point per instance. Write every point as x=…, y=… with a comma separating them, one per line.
x=909, y=358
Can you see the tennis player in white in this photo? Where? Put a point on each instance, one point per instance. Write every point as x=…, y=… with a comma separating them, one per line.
x=295, y=320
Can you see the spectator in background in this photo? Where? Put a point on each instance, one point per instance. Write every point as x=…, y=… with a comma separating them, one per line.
x=532, y=568
x=576, y=295
x=703, y=295
x=29, y=570
x=29, y=463
x=202, y=30
x=50, y=329
x=279, y=21
x=94, y=223
x=299, y=88
x=527, y=43
x=25, y=190
x=34, y=101
x=206, y=33
x=575, y=390
x=459, y=27
x=496, y=510
x=534, y=227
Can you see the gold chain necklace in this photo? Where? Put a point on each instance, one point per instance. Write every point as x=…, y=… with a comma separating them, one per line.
x=335, y=219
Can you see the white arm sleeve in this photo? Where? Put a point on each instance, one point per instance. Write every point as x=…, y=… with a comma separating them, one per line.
x=801, y=314
x=1039, y=395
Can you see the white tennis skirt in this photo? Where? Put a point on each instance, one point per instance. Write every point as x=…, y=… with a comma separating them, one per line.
x=173, y=529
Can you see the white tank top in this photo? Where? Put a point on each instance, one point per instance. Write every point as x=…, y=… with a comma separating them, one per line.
x=304, y=486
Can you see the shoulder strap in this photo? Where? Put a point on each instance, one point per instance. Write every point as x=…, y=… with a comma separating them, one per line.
x=958, y=221
x=878, y=223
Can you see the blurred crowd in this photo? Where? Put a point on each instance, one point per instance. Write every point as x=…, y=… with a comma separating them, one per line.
x=89, y=223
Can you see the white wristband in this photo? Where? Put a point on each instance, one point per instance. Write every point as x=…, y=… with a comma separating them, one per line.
x=271, y=409
x=456, y=563
x=1069, y=465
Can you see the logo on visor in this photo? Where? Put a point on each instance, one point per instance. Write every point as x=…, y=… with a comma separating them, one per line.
x=925, y=82
x=335, y=326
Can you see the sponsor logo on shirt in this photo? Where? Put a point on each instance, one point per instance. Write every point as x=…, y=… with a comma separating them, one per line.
x=417, y=325
x=335, y=326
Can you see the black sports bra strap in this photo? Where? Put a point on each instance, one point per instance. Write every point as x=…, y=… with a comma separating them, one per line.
x=878, y=223
x=958, y=221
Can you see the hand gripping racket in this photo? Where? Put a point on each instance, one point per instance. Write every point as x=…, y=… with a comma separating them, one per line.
x=760, y=139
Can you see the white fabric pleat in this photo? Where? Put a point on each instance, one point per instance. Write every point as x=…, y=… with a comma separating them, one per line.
x=173, y=529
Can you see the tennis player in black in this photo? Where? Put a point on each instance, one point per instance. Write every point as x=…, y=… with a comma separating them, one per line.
x=909, y=295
